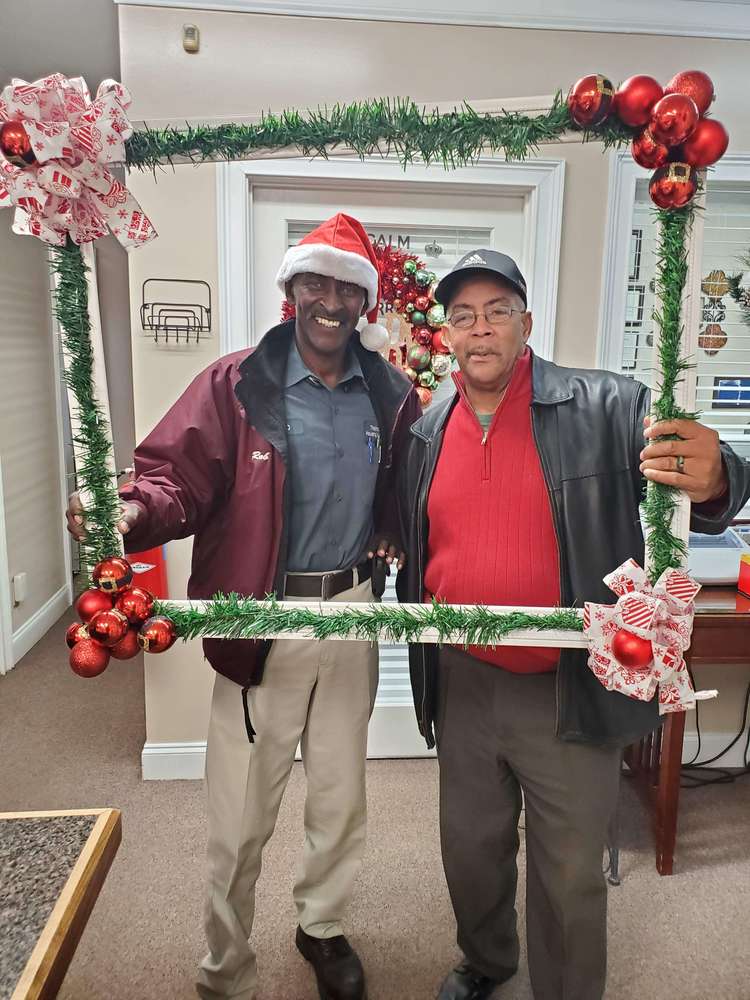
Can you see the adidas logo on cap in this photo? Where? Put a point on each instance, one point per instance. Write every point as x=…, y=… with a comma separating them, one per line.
x=474, y=259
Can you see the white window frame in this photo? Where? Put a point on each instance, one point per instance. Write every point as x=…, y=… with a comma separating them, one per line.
x=539, y=181
x=624, y=173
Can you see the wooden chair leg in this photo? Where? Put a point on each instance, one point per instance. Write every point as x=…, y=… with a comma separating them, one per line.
x=668, y=791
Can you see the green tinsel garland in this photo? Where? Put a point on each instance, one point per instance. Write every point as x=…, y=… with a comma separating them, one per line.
x=664, y=547
x=369, y=127
x=234, y=617
x=94, y=475
x=383, y=126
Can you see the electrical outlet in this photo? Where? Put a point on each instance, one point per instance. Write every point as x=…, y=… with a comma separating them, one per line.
x=19, y=588
x=191, y=37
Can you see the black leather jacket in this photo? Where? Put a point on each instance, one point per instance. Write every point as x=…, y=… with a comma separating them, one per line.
x=588, y=429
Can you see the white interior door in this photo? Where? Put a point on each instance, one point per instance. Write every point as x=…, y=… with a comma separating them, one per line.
x=440, y=228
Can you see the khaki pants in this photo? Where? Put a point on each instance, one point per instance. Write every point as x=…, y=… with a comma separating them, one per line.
x=320, y=695
x=496, y=739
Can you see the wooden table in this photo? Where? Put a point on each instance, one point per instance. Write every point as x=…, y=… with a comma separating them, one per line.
x=52, y=867
x=721, y=634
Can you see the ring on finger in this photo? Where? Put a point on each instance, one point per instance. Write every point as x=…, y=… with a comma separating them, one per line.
x=680, y=463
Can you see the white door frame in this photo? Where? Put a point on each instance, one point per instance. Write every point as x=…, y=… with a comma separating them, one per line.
x=540, y=181
x=624, y=172
x=392, y=732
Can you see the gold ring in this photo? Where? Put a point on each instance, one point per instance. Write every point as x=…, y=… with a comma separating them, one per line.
x=680, y=463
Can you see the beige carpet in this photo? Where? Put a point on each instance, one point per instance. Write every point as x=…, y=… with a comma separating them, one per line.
x=67, y=742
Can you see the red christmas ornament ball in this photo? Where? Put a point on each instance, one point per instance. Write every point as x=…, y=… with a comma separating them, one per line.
x=425, y=395
x=74, y=633
x=419, y=357
x=15, y=144
x=136, y=604
x=673, y=186
x=423, y=303
x=398, y=305
x=673, y=118
x=112, y=574
x=127, y=647
x=156, y=634
x=631, y=650
x=423, y=336
x=108, y=627
x=696, y=84
x=88, y=658
x=635, y=98
x=648, y=152
x=706, y=144
x=439, y=345
x=590, y=99
x=90, y=602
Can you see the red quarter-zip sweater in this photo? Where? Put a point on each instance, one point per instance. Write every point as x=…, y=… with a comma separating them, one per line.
x=491, y=535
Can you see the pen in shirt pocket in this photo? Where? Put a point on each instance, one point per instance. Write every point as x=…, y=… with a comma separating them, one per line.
x=372, y=438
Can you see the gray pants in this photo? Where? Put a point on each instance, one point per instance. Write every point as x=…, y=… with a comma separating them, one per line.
x=495, y=733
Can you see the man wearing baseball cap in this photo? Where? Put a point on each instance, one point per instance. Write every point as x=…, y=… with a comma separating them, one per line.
x=280, y=462
x=523, y=490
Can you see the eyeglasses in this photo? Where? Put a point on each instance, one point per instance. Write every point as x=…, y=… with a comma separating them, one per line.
x=500, y=315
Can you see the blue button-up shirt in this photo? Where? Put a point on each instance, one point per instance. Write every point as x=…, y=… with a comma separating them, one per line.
x=334, y=453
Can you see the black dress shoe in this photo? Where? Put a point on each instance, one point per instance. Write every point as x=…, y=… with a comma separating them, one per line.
x=337, y=968
x=465, y=983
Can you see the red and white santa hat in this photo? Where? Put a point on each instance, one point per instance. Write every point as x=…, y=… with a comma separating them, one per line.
x=340, y=248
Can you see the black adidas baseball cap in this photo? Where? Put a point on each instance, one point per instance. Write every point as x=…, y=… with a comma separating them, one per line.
x=480, y=262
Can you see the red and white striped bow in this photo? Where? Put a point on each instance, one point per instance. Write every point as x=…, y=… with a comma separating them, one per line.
x=663, y=615
x=67, y=189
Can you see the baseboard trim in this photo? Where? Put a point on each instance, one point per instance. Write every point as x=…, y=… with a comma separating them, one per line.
x=187, y=761
x=40, y=623
x=713, y=743
x=173, y=761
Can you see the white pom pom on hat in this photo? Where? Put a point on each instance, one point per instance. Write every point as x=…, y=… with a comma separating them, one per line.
x=373, y=336
x=340, y=248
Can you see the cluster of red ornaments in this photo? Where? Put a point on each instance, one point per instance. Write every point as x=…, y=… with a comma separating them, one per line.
x=675, y=139
x=116, y=620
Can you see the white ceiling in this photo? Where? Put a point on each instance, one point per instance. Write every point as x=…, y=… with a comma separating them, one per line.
x=701, y=18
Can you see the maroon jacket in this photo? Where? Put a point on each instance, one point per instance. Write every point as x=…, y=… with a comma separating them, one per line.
x=215, y=467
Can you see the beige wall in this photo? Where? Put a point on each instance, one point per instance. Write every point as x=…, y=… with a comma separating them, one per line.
x=250, y=62
x=182, y=205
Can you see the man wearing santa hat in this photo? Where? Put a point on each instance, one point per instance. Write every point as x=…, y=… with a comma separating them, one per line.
x=280, y=462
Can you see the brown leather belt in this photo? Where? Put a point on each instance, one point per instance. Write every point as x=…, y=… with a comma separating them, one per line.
x=324, y=586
